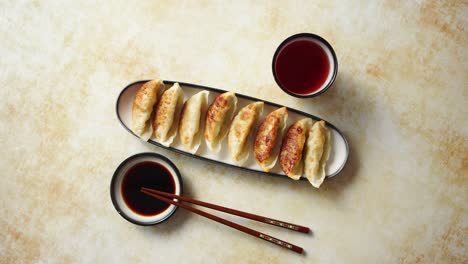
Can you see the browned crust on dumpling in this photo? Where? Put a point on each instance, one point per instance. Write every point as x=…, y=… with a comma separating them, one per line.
x=143, y=102
x=248, y=117
x=213, y=115
x=165, y=109
x=266, y=137
x=292, y=147
x=144, y=94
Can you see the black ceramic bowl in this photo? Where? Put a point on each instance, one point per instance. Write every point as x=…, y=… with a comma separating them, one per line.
x=116, y=191
x=295, y=71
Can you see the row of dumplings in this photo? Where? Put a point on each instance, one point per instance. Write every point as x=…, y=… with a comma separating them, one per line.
x=304, y=149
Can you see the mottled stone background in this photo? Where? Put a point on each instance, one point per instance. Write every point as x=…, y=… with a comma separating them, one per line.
x=401, y=99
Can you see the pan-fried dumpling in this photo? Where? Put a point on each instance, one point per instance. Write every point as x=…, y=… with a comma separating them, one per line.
x=241, y=131
x=166, y=120
x=218, y=119
x=268, y=139
x=143, y=104
x=290, y=157
x=191, y=121
x=317, y=153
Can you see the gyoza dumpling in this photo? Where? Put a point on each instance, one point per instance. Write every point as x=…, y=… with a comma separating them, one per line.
x=268, y=139
x=317, y=153
x=290, y=157
x=241, y=131
x=166, y=119
x=143, y=105
x=191, y=121
x=218, y=119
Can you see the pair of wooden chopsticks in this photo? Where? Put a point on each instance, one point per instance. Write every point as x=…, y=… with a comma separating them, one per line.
x=160, y=195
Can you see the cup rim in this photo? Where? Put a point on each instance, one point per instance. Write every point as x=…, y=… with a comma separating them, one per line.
x=114, y=179
x=312, y=36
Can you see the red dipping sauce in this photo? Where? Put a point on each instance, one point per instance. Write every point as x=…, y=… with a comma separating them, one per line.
x=302, y=67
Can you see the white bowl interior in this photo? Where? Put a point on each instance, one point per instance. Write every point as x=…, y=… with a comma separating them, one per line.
x=117, y=189
x=329, y=56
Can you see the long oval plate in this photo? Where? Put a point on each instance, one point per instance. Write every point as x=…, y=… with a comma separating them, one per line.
x=339, y=145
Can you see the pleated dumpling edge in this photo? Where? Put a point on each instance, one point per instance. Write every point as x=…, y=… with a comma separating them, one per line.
x=240, y=137
x=142, y=108
x=166, y=119
x=191, y=124
x=317, y=153
x=218, y=119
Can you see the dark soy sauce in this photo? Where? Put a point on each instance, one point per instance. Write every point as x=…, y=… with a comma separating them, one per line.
x=151, y=175
x=302, y=66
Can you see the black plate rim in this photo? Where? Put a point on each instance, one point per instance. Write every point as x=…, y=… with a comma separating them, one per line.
x=169, y=82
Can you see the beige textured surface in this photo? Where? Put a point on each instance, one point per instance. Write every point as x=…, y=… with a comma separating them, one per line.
x=401, y=99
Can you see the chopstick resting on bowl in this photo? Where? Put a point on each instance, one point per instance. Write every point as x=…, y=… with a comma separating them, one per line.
x=160, y=195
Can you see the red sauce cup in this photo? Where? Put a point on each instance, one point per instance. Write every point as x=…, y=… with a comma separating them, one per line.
x=304, y=65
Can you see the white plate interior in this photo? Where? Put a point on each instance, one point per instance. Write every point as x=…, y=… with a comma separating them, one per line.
x=118, y=193
x=339, y=147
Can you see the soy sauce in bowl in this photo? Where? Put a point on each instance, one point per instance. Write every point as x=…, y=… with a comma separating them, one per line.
x=147, y=174
x=150, y=170
x=304, y=65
